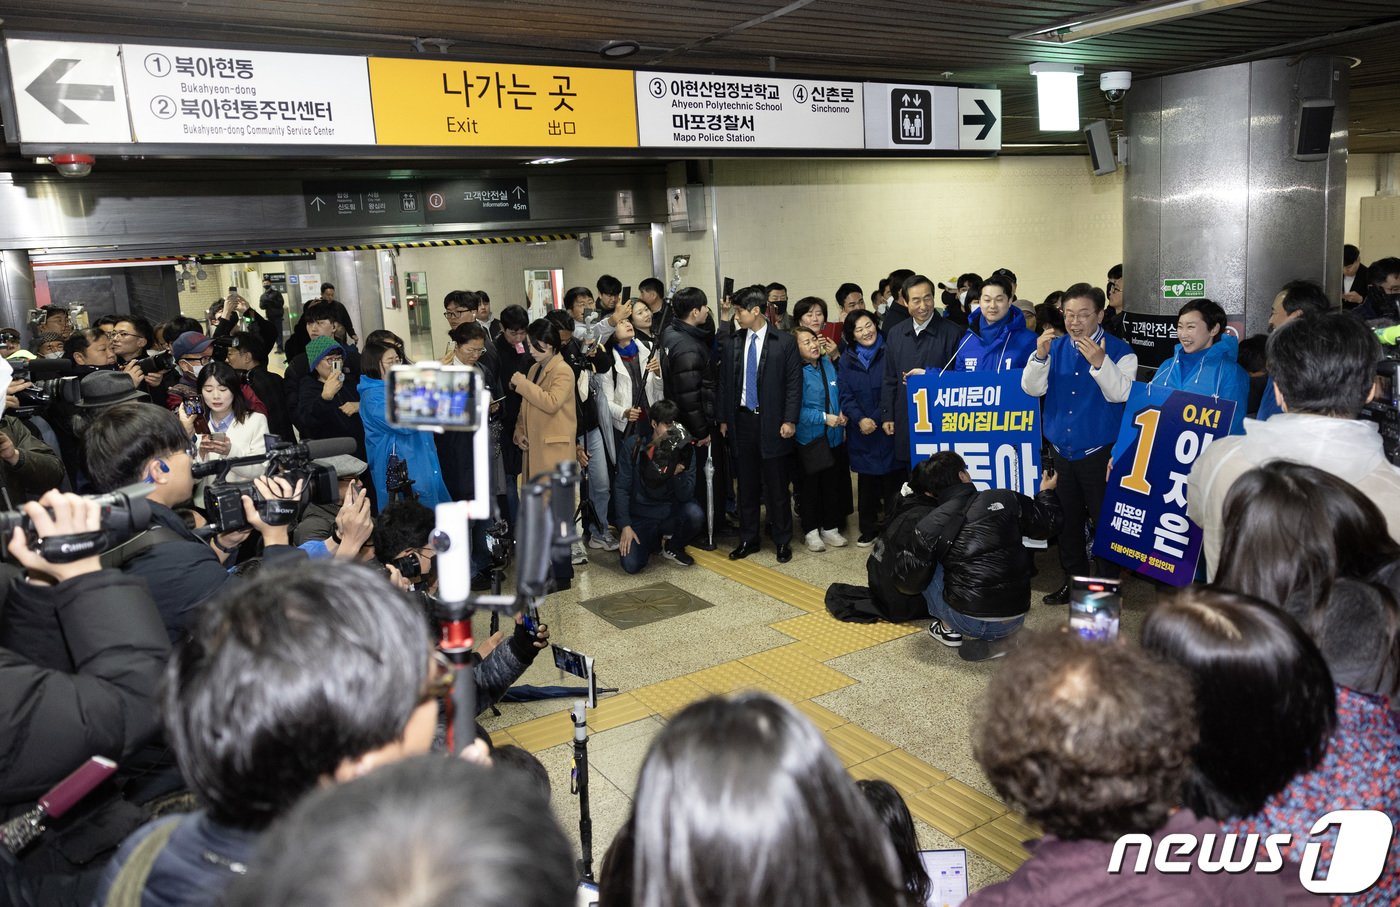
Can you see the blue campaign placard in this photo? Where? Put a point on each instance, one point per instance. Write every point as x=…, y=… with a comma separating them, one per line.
x=1143, y=524
x=984, y=416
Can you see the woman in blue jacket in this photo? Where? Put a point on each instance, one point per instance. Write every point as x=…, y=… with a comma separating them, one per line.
x=997, y=337
x=823, y=493
x=416, y=448
x=871, y=450
x=1204, y=361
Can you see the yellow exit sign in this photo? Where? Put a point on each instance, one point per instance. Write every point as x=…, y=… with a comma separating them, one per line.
x=427, y=102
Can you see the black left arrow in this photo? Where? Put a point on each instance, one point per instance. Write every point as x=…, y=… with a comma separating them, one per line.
x=49, y=91
x=986, y=119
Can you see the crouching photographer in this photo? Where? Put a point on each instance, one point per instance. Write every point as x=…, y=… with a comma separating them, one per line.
x=82, y=654
x=980, y=590
x=654, y=497
x=133, y=443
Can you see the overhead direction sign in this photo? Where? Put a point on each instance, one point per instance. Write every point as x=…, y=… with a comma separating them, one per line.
x=979, y=119
x=363, y=204
x=68, y=91
x=685, y=110
x=910, y=117
x=214, y=96
x=477, y=201
x=449, y=102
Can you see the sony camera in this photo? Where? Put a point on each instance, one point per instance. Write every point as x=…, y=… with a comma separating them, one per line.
x=223, y=500
x=125, y=513
x=156, y=362
x=668, y=452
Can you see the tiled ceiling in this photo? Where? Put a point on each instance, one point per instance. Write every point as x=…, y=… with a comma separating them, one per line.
x=962, y=40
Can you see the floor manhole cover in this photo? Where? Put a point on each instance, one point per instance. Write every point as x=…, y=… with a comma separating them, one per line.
x=644, y=605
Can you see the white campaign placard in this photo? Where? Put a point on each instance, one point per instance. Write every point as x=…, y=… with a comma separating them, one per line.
x=190, y=95
x=685, y=110
x=68, y=91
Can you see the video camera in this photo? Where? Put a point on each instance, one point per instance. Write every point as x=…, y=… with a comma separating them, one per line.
x=665, y=455
x=125, y=513
x=1384, y=409
x=223, y=500
x=52, y=379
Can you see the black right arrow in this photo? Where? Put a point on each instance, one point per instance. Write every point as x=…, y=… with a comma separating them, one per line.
x=986, y=119
x=49, y=91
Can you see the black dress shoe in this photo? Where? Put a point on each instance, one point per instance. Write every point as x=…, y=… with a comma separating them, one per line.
x=743, y=551
x=784, y=553
x=1059, y=597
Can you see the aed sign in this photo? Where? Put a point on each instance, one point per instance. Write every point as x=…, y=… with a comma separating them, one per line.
x=429, y=102
x=1183, y=288
x=685, y=110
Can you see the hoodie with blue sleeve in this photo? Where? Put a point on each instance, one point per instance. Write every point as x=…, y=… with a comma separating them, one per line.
x=1211, y=372
x=994, y=347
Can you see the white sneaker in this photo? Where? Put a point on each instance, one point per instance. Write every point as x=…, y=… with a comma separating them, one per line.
x=579, y=556
x=606, y=542
x=834, y=538
x=814, y=541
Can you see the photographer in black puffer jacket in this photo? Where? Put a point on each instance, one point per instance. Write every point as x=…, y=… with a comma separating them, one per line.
x=981, y=586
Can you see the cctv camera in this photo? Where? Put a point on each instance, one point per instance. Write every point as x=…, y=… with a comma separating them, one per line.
x=73, y=166
x=1115, y=85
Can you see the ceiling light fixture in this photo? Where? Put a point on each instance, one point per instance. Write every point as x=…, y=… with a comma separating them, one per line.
x=616, y=50
x=1057, y=90
x=1142, y=15
x=550, y=160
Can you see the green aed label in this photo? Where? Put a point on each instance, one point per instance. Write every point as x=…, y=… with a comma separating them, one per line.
x=1182, y=288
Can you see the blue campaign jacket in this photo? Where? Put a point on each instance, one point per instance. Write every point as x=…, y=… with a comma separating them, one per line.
x=872, y=454
x=1213, y=372
x=820, y=395
x=992, y=348
x=1077, y=417
x=417, y=447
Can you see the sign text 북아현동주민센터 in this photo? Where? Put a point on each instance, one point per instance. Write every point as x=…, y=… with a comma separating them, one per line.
x=1143, y=523
x=986, y=418
x=501, y=105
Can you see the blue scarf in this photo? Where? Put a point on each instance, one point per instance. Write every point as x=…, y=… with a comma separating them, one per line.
x=866, y=354
x=630, y=350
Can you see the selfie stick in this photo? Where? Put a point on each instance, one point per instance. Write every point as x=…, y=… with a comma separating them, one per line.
x=580, y=787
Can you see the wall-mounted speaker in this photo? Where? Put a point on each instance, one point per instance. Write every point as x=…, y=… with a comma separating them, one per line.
x=1100, y=147
x=1313, y=138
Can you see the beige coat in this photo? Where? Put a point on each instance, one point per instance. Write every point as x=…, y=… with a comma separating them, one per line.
x=547, y=421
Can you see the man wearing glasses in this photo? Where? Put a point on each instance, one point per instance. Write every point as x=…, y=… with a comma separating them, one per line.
x=459, y=308
x=1113, y=316
x=1085, y=377
x=192, y=352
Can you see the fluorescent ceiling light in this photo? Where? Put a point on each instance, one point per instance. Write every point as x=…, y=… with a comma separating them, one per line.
x=1057, y=90
x=1141, y=15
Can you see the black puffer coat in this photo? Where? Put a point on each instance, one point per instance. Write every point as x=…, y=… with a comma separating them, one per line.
x=896, y=569
x=986, y=569
x=688, y=375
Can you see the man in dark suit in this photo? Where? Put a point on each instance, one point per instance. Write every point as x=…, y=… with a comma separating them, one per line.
x=1356, y=277
x=760, y=398
x=923, y=341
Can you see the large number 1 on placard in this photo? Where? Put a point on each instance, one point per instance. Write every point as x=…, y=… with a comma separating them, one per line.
x=1136, y=479
x=921, y=410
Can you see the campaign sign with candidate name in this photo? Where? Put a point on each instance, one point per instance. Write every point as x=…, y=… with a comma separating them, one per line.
x=986, y=417
x=1143, y=524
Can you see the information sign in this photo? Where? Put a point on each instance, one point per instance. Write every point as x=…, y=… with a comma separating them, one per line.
x=685, y=110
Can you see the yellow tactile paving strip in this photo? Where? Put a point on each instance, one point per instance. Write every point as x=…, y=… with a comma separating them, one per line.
x=796, y=673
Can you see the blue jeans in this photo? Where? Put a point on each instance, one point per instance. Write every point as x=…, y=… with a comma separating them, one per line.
x=939, y=608
x=681, y=526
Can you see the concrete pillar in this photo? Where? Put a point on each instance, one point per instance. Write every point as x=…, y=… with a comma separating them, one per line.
x=1214, y=190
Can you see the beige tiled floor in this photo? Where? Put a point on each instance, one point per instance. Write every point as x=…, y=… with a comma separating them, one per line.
x=893, y=703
